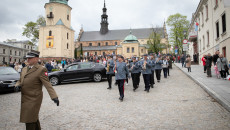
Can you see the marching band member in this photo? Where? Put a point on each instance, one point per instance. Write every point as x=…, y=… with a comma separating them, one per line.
x=135, y=65
x=146, y=71
x=109, y=70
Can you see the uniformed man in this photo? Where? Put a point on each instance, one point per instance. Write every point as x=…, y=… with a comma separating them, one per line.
x=146, y=71
x=109, y=70
x=135, y=66
x=121, y=71
x=152, y=82
x=32, y=78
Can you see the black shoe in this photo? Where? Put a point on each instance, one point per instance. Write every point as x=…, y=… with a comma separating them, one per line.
x=137, y=86
x=109, y=88
x=121, y=98
x=158, y=81
x=147, y=91
x=152, y=86
x=134, y=89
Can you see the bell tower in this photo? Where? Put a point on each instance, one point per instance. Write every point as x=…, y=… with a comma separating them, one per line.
x=104, y=21
x=56, y=38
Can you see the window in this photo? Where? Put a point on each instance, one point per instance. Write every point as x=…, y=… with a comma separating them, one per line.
x=217, y=30
x=208, y=38
x=95, y=53
x=206, y=12
x=15, y=53
x=103, y=53
x=24, y=46
x=81, y=44
x=203, y=43
x=67, y=45
x=224, y=23
x=67, y=35
x=132, y=49
x=106, y=43
x=115, y=43
x=31, y=48
x=85, y=65
x=19, y=53
x=28, y=47
x=67, y=17
x=90, y=44
x=72, y=68
x=128, y=50
x=4, y=51
x=142, y=50
x=87, y=53
x=50, y=33
x=114, y=52
x=51, y=14
x=99, y=44
x=49, y=44
x=202, y=14
x=4, y=60
x=10, y=52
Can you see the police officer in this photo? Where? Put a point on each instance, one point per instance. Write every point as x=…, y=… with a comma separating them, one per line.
x=109, y=70
x=121, y=71
x=146, y=71
x=152, y=82
x=135, y=66
x=32, y=78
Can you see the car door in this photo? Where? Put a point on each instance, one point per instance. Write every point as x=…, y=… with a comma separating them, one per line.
x=70, y=73
x=85, y=71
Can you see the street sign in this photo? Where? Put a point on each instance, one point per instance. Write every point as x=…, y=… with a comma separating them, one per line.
x=185, y=41
x=185, y=47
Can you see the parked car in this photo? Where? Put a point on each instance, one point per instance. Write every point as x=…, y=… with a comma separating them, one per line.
x=78, y=72
x=8, y=79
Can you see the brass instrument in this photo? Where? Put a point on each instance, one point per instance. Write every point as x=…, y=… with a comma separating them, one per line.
x=108, y=67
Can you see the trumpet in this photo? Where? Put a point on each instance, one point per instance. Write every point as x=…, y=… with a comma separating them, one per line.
x=108, y=67
x=144, y=65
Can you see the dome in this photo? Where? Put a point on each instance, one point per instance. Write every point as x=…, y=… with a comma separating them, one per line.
x=60, y=1
x=131, y=38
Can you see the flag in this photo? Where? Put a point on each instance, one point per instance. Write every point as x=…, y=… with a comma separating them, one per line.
x=196, y=26
x=226, y=3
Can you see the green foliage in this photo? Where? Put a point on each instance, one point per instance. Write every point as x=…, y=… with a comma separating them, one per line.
x=31, y=29
x=154, y=43
x=55, y=70
x=178, y=24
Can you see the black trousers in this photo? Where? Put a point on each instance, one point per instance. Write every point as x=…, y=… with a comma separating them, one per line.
x=205, y=68
x=109, y=78
x=127, y=79
x=182, y=63
x=33, y=126
x=209, y=73
x=165, y=70
x=121, y=88
x=139, y=79
x=168, y=70
x=147, y=81
x=158, y=74
x=189, y=69
x=135, y=77
x=152, y=82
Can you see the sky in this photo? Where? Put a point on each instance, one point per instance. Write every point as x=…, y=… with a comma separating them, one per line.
x=122, y=14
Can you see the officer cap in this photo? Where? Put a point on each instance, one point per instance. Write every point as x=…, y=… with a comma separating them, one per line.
x=133, y=57
x=32, y=54
x=145, y=55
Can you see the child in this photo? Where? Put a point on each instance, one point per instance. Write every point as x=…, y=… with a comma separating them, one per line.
x=217, y=72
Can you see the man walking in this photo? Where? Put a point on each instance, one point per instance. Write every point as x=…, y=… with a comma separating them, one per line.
x=109, y=70
x=135, y=73
x=33, y=77
x=146, y=72
x=209, y=65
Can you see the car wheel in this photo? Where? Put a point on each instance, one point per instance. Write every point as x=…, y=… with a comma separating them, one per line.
x=54, y=80
x=97, y=77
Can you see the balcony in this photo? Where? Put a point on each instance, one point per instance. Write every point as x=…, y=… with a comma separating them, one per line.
x=50, y=16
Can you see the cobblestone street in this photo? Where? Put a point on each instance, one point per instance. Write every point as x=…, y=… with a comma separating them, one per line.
x=174, y=103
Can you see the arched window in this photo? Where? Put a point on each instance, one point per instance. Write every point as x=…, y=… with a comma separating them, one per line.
x=99, y=44
x=67, y=35
x=50, y=33
x=106, y=43
x=67, y=45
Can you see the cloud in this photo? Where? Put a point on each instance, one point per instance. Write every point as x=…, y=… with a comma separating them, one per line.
x=123, y=14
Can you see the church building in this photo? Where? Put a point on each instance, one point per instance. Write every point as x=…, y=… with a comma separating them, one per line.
x=56, y=37
x=127, y=42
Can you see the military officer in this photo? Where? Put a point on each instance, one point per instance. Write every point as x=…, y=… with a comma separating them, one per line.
x=152, y=82
x=32, y=78
x=121, y=71
x=109, y=70
x=146, y=71
x=135, y=66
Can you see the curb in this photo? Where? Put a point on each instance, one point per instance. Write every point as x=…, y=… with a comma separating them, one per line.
x=213, y=94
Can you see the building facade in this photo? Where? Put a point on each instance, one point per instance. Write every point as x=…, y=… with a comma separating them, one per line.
x=56, y=38
x=107, y=41
x=213, y=32
x=14, y=51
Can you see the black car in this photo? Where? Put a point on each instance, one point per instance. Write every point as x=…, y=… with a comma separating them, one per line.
x=78, y=72
x=8, y=79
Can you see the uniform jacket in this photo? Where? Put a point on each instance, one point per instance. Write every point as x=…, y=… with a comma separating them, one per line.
x=153, y=64
x=136, y=67
x=148, y=69
x=165, y=64
x=140, y=68
x=111, y=65
x=121, y=70
x=158, y=65
x=221, y=63
x=31, y=83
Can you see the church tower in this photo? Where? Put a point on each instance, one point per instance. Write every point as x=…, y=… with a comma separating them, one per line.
x=56, y=37
x=104, y=21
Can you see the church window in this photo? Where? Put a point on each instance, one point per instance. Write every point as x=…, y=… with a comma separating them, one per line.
x=10, y=52
x=95, y=53
x=115, y=43
x=132, y=49
x=99, y=44
x=106, y=43
x=50, y=33
x=67, y=35
x=67, y=45
x=67, y=17
x=128, y=50
x=90, y=44
x=103, y=53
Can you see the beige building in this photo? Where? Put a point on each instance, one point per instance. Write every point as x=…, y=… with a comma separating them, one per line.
x=107, y=41
x=56, y=38
x=213, y=31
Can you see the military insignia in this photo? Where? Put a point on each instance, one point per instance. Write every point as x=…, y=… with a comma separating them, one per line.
x=46, y=73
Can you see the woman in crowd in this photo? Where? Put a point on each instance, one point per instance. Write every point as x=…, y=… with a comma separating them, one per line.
x=204, y=63
x=222, y=64
x=188, y=63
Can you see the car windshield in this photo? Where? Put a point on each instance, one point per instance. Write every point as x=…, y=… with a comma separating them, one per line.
x=7, y=71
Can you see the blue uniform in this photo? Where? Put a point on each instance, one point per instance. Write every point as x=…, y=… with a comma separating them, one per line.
x=109, y=73
x=146, y=73
x=135, y=70
x=158, y=68
x=152, y=82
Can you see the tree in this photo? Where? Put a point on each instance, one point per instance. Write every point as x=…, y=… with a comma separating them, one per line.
x=178, y=24
x=154, y=42
x=31, y=29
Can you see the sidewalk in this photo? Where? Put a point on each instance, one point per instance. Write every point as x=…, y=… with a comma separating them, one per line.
x=219, y=89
